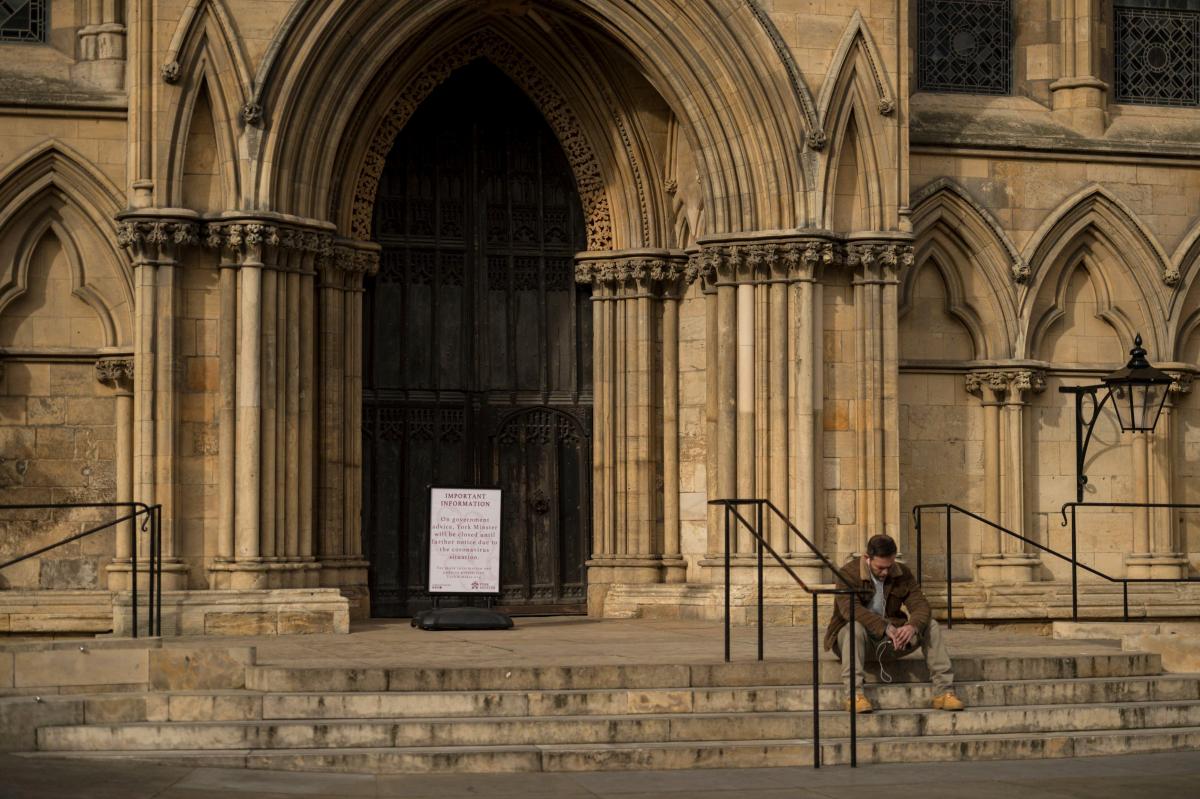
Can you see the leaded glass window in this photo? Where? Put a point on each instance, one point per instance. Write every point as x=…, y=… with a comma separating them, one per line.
x=964, y=46
x=23, y=20
x=1157, y=57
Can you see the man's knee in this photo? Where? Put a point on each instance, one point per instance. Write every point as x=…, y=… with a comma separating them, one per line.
x=860, y=632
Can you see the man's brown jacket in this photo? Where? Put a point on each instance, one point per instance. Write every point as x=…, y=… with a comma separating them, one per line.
x=900, y=588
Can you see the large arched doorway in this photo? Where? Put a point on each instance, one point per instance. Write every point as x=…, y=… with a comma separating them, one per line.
x=478, y=345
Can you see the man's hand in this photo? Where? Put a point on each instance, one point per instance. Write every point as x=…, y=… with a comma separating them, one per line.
x=901, y=636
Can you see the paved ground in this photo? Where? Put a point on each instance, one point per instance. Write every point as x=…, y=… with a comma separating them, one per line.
x=578, y=640
x=1128, y=777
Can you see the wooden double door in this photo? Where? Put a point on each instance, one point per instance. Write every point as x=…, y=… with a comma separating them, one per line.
x=478, y=346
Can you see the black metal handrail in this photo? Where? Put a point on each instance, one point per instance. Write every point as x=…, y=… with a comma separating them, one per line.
x=731, y=508
x=151, y=523
x=950, y=508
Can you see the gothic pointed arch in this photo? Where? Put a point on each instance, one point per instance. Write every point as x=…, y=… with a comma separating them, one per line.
x=947, y=220
x=1184, y=305
x=852, y=195
x=207, y=24
x=206, y=59
x=736, y=105
x=855, y=96
x=859, y=46
x=52, y=190
x=1058, y=296
x=562, y=118
x=935, y=256
x=1124, y=256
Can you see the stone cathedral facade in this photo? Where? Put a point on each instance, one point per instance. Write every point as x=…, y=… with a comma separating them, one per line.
x=280, y=266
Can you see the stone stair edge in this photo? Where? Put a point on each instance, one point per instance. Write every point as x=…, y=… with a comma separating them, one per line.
x=757, y=743
x=604, y=717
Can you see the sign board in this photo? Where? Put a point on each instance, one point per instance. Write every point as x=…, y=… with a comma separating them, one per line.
x=464, y=541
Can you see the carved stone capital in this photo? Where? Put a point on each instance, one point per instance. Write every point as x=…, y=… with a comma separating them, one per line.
x=1181, y=387
x=156, y=239
x=784, y=259
x=1002, y=383
x=354, y=261
x=115, y=372
x=884, y=258
x=635, y=274
x=250, y=240
x=170, y=72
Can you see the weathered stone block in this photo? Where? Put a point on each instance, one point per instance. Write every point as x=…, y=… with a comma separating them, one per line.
x=69, y=573
x=301, y=622
x=46, y=410
x=240, y=623
x=193, y=669
x=65, y=667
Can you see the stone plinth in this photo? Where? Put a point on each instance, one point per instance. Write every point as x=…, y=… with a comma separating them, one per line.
x=1017, y=568
x=56, y=612
x=293, y=611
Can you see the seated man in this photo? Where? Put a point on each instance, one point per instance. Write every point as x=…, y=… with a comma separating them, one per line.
x=882, y=631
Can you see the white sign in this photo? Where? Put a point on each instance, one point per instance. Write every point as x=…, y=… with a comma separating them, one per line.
x=464, y=541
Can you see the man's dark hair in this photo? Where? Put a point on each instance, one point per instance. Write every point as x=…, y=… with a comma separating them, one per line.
x=881, y=546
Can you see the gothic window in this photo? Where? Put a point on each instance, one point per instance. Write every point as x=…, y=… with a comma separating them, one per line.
x=964, y=46
x=1158, y=52
x=23, y=20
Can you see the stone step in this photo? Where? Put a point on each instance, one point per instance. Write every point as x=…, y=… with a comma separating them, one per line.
x=644, y=728
x=680, y=755
x=770, y=672
x=250, y=705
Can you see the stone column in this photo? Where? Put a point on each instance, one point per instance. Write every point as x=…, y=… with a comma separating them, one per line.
x=266, y=463
x=1158, y=551
x=634, y=300
x=339, y=459
x=1080, y=98
x=102, y=45
x=764, y=411
x=154, y=240
x=876, y=266
x=118, y=374
x=1005, y=393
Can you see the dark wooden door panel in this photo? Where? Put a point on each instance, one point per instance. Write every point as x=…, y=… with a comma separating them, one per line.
x=478, y=345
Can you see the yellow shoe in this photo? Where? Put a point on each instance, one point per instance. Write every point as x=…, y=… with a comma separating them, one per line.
x=947, y=701
x=861, y=705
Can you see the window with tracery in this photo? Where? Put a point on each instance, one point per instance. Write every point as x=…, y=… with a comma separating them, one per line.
x=23, y=20
x=964, y=46
x=1157, y=52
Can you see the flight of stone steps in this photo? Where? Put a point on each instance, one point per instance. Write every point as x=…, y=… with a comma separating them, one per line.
x=583, y=718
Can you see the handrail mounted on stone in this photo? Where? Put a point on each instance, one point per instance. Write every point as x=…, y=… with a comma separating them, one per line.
x=755, y=530
x=951, y=508
x=151, y=523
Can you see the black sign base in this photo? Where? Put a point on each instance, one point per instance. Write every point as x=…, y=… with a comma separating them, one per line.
x=462, y=619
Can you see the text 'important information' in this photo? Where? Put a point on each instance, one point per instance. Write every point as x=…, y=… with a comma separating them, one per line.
x=464, y=541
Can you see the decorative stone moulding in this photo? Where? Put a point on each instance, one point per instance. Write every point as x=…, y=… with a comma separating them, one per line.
x=241, y=236
x=793, y=259
x=1002, y=380
x=156, y=237
x=117, y=372
x=541, y=90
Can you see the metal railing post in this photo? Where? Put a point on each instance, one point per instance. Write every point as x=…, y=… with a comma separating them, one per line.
x=133, y=577
x=159, y=578
x=150, y=583
x=920, y=554
x=727, y=582
x=816, y=668
x=1125, y=598
x=760, y=548
x=853, y=685
x=1074, y=572
x=949, y=563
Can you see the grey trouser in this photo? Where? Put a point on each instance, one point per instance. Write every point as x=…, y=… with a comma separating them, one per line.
x=932, y=644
